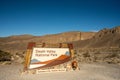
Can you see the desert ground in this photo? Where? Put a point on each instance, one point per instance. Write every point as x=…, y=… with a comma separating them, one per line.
x=93, y=71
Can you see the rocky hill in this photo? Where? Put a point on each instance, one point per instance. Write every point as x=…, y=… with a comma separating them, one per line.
x=18, y=44
x=102, y=46
x=106, y=38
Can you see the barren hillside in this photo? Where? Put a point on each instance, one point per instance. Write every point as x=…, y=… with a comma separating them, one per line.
x=90, y=46
x=18, y=44
x=106, y=38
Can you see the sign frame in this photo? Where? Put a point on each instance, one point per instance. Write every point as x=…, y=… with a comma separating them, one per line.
x=33, y=45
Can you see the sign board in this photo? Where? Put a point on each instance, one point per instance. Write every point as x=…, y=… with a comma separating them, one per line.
x=42, y=57
x=47, y=57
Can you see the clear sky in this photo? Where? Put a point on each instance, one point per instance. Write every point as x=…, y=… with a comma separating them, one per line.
x=41, y=17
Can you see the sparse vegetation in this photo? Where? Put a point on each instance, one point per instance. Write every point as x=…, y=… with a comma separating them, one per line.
x=111, y=55
x=5, y=56
x=86, y=54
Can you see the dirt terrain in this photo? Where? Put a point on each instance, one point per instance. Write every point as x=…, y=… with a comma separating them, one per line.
x=94, y=71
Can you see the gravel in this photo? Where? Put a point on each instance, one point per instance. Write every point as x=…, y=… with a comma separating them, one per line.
x=94, y=71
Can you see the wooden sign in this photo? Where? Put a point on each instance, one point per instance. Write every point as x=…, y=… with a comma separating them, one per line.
x=43, y=57
x=48, y=57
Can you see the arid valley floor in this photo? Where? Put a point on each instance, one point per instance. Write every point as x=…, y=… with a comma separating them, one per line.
x=93, y=71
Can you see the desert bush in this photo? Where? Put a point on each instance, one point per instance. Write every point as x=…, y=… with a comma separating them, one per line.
x=20, y=55
x=86, y=54
x=5, y=56
x=112, y=55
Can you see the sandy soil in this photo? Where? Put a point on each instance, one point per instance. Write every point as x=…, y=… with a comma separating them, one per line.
x=87, y=72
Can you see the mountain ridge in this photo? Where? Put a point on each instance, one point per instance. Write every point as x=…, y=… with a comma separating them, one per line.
x=103, y=38
x=15, y=44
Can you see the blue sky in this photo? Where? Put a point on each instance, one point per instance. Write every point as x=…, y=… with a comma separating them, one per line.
x=41, y=17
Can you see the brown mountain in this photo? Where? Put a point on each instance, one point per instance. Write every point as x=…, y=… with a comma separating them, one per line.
x=105, y=41
x=103, y=38
x=18, y=43
x=106, y=38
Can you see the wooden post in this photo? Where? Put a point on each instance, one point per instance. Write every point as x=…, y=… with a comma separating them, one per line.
x=71, y=50
x=28, y=55
x=43, y=45
x=60, y=45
